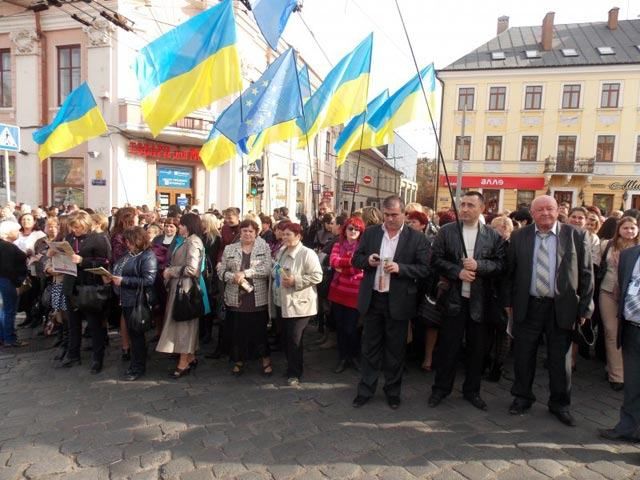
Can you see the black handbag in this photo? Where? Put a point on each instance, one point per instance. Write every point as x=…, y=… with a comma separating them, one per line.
x=187, y=305
x=92, y=298
x=139, y=320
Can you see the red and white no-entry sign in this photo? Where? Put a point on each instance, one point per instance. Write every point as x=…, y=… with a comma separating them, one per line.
x=367, y=179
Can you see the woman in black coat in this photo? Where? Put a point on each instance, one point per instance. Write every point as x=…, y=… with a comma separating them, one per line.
x=139, y=268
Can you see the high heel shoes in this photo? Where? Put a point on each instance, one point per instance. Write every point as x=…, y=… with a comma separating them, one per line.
x=180, y=372
x=238, y=369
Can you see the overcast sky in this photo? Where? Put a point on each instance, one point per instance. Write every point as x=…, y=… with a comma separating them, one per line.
x=441, y=32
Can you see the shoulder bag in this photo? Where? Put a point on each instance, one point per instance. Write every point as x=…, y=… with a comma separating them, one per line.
x=187, y=305
x=139, y=319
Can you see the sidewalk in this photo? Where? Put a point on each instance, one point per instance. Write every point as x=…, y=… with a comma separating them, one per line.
x=68, y=424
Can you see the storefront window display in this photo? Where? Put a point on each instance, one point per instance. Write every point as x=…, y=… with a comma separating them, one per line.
x=67, y=181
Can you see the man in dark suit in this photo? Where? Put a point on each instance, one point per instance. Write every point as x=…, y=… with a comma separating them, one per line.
x=469, y=270
x=628, y=427
x=549, y=287
x=393, y=257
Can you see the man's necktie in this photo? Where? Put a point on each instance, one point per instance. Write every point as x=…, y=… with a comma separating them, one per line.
x=543, y=273
x=632, y=302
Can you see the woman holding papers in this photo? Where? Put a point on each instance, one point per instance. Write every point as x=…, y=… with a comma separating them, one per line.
x=91, y=250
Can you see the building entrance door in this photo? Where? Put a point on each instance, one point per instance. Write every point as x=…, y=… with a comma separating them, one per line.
x=635, y=201
x=174, y=196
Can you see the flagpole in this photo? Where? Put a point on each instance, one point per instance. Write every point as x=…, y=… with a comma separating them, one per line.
x=306, y=133
x=435, y=132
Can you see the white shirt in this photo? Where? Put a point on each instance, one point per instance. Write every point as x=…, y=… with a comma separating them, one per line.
x=387, y=251
x=469, y=234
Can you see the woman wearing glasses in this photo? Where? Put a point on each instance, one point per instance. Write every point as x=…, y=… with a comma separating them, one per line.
x=343, y=293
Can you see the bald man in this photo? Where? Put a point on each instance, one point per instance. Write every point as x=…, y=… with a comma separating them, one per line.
x=550, y=289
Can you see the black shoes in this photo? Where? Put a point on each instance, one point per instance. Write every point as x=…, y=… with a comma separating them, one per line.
x=132, y=375
x=435, y=399
x=70, y=362
x=475, y=400
x=126, y=355
x=359, y=401
x=96, y=367
x=518, y=408
x=616, y=386
x=611, y=434
x=564, y=417
x=179, y=373
x=340, y=367
x=393, y=401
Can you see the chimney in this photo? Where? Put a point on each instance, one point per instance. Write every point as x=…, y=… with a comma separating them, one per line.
x=612, y=23
x=503, y=24
x=547, y=31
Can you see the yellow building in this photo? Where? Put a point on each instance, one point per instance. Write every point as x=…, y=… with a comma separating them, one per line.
x=551, y=108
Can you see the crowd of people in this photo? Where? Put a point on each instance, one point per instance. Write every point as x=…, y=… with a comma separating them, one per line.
x=385, y=286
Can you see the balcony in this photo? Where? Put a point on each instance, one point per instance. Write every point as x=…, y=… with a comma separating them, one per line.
x=570, y=166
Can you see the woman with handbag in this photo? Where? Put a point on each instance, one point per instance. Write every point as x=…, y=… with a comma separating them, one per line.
x=212, y=244
x=293, y=295
x=244, y=269
x=135, y=287
x=186, y=297
x=89, y=296
x=626, y=236
x=343, y=293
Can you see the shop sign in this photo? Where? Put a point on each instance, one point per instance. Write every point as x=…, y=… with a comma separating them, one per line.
x=156, y=150
x=480, y=181
x=348, y=186
x=628, y=185
x=99, y=182
x=174, y=177
x=182, y=201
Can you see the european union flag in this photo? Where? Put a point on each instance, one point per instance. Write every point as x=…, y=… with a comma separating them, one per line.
x=273, y=99
x=271, y=17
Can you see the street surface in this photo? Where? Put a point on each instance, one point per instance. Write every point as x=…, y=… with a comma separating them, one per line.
x=68, y=424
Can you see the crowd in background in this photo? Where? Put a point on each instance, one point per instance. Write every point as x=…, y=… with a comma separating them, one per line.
x=262, y=279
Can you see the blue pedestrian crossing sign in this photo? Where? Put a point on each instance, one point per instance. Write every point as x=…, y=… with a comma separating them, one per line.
x=9, y=137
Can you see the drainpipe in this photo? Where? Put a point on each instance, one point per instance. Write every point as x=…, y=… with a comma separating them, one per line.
x=44, y=109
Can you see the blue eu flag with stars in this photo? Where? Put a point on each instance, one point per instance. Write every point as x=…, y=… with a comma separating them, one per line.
x=274, y=98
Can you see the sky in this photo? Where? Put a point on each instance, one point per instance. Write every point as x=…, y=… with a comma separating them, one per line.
x=440, y=32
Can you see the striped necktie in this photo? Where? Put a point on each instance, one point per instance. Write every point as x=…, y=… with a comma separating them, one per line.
x=543, y=274
x=632, y=302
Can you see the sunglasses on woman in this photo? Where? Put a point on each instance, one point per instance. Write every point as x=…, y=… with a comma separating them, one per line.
x=353, y=229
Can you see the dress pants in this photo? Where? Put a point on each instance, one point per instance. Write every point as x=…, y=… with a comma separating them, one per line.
x=98, y=329
x=384, y=341
x=292, y=332
x=8, y=313
x=346, y=319
x=541, y=319
x=452, y=331
x=629, y=424
x=609, y=317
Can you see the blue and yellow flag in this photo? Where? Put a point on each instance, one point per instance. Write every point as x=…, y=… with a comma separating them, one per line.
x=77, y=121
x=342, y=95
x=404, y=106
x=217, y=150
x=356, y=137
x=305, y=84
x=271, y=17
x=189, y=67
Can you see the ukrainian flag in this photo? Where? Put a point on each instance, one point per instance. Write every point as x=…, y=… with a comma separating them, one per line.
x=404, y=106
x=356, y=137
x=189, y=67
x=77, y=121
x=342, y=95
x=217, y=150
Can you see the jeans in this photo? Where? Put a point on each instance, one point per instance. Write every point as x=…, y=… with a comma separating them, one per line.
x=8, y=314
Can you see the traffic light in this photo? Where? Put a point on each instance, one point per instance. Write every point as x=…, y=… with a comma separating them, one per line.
x=253, y=187
x=259, y=183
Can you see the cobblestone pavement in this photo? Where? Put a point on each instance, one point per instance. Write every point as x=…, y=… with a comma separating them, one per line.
x=68, y=424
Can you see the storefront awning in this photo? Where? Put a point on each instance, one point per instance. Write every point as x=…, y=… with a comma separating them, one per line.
x=497, y=182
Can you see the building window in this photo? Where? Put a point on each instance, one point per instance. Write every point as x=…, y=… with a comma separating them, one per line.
x=497, y=96
x=571, y=96
x=68, y=70
x=5, y=78
x=533, y=97
x=524, y=198
x=604, y=150
x=494, y=149
x=466, y=97
x=463, y=148
x=12, y=177
x=67, y=181
x=327, y=147
x=491, y=200
x=604, y=201
x=610, y=95
x=638, y=149
x=566, y=152
x=529, y=151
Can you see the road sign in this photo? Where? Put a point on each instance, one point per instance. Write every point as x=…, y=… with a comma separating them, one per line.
x=367, y=179
x=316, y=188
x=9, y=137
x=253, y=169
x=348, y=186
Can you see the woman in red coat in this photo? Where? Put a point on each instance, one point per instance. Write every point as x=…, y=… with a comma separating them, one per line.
x=343, y=293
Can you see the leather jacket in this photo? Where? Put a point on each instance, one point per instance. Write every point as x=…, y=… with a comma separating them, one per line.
x=140, y=269
x=446, y=258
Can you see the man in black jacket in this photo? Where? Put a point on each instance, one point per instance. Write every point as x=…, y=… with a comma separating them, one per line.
x=469, y=269
x=549, y=287
x=13, y=271
x=393, y=257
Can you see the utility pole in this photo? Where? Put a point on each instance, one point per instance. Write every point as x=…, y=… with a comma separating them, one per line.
x=460, y=149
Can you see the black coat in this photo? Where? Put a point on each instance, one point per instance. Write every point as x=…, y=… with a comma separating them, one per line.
x=95, y=250
x=412, y=255
x=628, y=258
x=573, y=277
x=446, y=260
x=139, y=270
x=13, y=263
